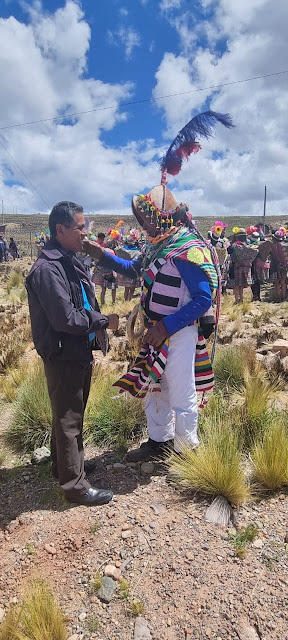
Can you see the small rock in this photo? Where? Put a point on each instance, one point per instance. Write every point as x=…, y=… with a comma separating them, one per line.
x=119, y=465
x=158, y=508
x=74, y=637
x=126, y=527
x=112, y=572
x=280, y=346
x=125, y=564
x=126, y=534
x=106, y=591
x=147, y=468
x=258, y=543
x=11, y=526
x=2, y=614
x=246, y=632
x=50, y=549
x=40, y=455
x=286, y=538
x=141, y=629
x=82, y=616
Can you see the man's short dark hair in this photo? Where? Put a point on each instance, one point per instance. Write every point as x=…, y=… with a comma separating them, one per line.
x=101, y=235
x=63, y=213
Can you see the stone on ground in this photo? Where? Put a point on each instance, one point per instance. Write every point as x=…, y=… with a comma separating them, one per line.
x=141, y=629
x=42, y=454
x=106, y=591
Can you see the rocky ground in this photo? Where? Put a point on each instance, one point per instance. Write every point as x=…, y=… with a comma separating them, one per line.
x=182, y=575
x=168, y=574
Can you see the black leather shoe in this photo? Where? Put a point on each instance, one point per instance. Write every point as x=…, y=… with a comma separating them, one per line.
x=93, y=497
x=149, y=450
x=89, y=466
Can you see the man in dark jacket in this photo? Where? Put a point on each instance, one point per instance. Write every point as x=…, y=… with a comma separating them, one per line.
x=66, y=321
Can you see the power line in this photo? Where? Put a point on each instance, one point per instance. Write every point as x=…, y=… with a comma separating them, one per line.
x=24, y=174
x=144, y=100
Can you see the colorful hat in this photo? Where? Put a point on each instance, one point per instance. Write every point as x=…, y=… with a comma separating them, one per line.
x=158, y=211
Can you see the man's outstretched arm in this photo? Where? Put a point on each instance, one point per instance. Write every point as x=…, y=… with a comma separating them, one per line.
x=129, y=268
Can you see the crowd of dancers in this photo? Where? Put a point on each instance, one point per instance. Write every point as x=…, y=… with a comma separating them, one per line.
x=250, y=258
x=127, y=246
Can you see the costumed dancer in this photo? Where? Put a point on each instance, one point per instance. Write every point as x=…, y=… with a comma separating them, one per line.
x=129, y=250
x=279, y=264
x=179, y=283
x=217, y=239
x=261, y=264
x=242, y=258
x=102, y=277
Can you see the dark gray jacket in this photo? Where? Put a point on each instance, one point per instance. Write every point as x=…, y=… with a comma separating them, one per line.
x=60, y=324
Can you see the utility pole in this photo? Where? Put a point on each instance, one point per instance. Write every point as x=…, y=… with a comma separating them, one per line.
x=264, y=208
x=2, y=212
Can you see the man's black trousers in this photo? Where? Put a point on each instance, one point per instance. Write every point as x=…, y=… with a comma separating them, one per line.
x=68, y=386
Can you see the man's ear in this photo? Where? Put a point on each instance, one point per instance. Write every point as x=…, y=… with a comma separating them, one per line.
x=59, y=229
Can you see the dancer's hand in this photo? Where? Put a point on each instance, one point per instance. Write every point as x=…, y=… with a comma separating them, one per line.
x=156, y=335
x=113, y=321
x=93, y=249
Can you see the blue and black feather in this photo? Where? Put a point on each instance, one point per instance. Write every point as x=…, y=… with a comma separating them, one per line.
x=185, y=143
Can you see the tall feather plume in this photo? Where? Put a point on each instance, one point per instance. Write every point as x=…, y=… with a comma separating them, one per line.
x=185, y=143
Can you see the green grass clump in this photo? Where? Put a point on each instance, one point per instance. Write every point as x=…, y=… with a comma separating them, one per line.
x=241, y=539
x=124, y=589
x=270, y=456
x=96, y=582
x=32, y=419
x=92, y=625
x=39, y=617
x=214, y=468
x=229, y=366
x=136, y=608
x=109, y=420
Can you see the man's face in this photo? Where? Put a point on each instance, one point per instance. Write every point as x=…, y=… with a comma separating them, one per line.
x=71, y=238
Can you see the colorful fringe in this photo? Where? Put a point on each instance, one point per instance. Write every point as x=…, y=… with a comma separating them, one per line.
x=148, y=369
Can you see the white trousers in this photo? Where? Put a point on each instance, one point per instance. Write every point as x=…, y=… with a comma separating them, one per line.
x=172, y=413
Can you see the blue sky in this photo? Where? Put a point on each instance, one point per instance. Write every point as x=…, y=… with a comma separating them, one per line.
x=63, y=55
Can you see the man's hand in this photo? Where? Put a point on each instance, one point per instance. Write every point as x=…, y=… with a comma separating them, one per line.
x=93, y=249
x=113, y=322
x=156, y=335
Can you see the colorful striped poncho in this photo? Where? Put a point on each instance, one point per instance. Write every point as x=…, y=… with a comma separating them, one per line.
x=145, y=374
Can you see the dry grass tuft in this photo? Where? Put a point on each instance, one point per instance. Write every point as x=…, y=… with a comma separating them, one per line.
x=214, y=468
x=32, y=419
x=270, y=456
x=39, y=618
x=10, y=383
x=230, y=364
x=254, y=400
x=111, y=418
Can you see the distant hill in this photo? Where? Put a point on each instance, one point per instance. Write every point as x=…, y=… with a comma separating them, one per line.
x=21, y=227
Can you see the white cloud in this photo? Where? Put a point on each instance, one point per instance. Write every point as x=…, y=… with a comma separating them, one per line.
x=126, y=37
x=256, y=152
x=42, y=67
x=123, y=12
x=167, y=5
